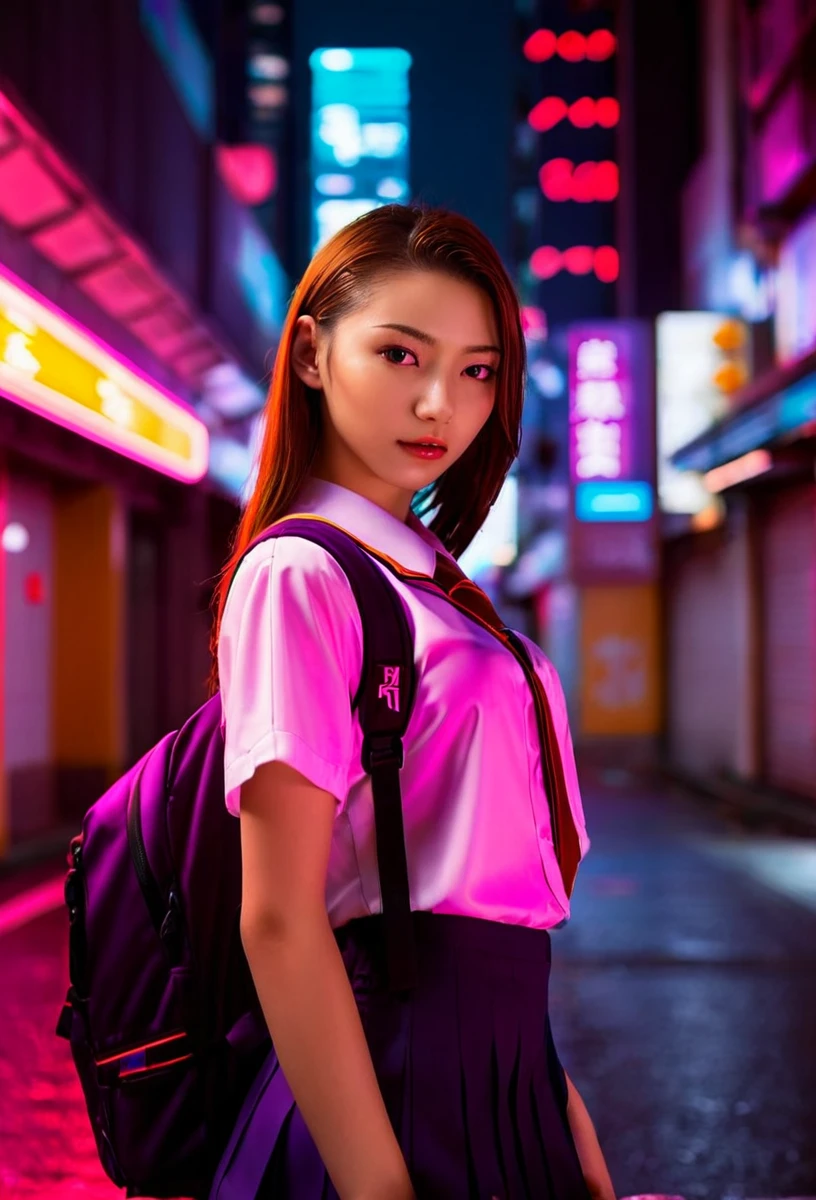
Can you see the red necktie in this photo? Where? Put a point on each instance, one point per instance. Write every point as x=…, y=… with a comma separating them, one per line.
x=471, y=599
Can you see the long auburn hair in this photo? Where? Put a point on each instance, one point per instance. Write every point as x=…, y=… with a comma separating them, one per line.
x=338, y=280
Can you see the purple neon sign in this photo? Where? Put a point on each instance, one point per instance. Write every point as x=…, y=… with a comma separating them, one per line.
x=601, y=404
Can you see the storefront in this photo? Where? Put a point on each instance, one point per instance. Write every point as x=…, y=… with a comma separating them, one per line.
x=105, y=553
x=741, y=598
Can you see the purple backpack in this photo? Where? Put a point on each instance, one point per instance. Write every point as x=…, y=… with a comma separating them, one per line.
x=164, y=1023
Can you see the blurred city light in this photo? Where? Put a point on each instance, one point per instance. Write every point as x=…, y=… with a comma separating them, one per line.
x=571, y=46
x=54, y=367
x=547, y=261
x=757, y=462
x=601, y=45
x=582, y=113
x=540, y=45
x=360, y=119
x=693, y=349
x=250, y=172
x=562, y=180
x=15, y=538
x=614, y=501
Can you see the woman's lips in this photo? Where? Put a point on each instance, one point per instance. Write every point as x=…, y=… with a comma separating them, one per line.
x=423, y=449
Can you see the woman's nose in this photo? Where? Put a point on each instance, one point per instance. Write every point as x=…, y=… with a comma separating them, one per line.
x=436, y=401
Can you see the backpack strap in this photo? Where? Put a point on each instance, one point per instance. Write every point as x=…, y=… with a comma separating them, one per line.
x=384, y=699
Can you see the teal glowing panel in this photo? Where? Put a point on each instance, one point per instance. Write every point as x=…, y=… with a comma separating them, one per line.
x=614, y=501
x=359, y=134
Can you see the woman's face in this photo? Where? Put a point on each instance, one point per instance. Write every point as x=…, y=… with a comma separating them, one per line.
x=416, y=363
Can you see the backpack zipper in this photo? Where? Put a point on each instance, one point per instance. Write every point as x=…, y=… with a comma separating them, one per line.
x=165, y=916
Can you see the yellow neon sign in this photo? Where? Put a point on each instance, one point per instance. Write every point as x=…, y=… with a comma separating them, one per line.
x=51, y=365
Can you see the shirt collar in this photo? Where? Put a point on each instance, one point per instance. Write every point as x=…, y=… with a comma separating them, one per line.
x=409, y=543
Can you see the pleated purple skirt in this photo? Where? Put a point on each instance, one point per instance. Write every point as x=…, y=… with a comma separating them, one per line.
x=466, y=1064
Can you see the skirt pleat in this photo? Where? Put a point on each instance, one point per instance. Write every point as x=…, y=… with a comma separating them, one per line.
x=466, y=1065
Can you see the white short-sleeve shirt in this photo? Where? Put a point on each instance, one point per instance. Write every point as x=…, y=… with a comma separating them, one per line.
x=477, y=825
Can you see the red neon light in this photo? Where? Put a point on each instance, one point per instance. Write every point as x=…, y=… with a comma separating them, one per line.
x=547, y=261
x=34, y=588
x=561, y=180
x=547, y=113
x=572, y=46
x=555, y=178
x=584, y=113
x=583, y=183
x=607, y=112
x=607, y=180
x=607, y=264
x=578, y=260
x=540, y=45
x=601, y=45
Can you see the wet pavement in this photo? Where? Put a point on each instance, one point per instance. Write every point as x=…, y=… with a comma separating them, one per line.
x=683, y=997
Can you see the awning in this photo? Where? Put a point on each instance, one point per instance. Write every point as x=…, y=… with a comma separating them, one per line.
x=779, y=405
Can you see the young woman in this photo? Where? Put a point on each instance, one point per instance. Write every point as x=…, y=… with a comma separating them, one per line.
x=400, y=369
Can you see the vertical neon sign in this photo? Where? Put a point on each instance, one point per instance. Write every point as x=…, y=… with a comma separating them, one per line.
x=360, y=134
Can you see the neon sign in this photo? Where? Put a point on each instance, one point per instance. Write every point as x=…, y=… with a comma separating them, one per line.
x=582, y=113
x=600, y=404
x=571, y=46
x=547, y=261
x=360, y=134
x=54, y=367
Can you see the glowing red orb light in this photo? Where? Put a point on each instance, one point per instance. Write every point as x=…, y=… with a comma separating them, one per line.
x=607, y=180
x=547, y=113
x=545, y=262
x=583, y=183
x=555, y=178
x=579, y=260
x=601, y=45
x=607, y=112
x=606, y=262
x=540, y=45
x=34, y=588
x=572, y=46
x=582, y=112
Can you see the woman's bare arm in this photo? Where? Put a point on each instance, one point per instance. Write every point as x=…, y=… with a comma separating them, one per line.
x=286, y=829
x=590, y=1155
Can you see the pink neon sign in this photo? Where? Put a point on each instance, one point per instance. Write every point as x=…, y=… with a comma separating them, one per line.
x=600, y=407
x=55, y=367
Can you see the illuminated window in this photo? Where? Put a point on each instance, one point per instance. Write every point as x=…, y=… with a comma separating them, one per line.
x=360, y=134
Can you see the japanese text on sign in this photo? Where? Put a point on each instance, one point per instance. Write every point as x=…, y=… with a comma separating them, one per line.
x=599, y=411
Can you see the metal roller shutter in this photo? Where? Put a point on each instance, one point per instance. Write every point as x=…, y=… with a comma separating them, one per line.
x=789, y=636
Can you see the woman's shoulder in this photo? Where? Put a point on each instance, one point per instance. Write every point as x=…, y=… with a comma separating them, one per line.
x=294, y=572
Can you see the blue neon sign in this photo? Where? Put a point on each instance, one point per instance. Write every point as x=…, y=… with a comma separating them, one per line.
x=614, y=501
x=360, y=134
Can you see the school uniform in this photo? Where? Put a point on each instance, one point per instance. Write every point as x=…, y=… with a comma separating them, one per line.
x=465, y=1060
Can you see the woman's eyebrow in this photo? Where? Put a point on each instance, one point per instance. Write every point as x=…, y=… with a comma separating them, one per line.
x=421, y=336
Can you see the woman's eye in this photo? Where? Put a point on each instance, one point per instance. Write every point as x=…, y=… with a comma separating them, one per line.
x=398, y=355
x=483, y=372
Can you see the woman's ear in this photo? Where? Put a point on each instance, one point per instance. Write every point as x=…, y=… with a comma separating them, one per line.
x=304, y=352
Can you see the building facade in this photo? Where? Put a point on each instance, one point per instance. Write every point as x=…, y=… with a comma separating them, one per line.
x=139, y=298
x=740, y=575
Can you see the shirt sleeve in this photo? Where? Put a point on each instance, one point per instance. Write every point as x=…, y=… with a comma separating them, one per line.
x=290, y=655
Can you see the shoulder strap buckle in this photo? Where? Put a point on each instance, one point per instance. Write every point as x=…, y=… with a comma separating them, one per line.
x=382, y=750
